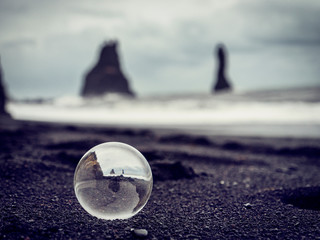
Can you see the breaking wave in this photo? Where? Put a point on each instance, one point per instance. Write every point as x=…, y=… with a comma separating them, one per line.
x=298, y=107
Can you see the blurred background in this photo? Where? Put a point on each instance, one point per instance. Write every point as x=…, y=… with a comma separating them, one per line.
x=167, y=54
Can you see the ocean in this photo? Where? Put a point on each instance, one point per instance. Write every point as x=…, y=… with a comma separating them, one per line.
x=268, y=113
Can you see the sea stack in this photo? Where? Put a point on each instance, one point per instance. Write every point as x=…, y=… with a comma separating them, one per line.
x=222, y=83
x=106, y=76
x=3, y=97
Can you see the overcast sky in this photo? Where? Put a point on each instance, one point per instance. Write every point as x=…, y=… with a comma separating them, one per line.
x=165, y=46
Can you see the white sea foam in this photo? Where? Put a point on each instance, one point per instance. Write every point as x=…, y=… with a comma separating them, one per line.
x=296, y=108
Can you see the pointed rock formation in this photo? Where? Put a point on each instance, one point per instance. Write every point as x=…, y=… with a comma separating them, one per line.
x=106, y=76
x=3, y=97
x=222, y=83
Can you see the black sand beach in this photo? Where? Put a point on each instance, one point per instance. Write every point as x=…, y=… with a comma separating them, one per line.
x=204, y=187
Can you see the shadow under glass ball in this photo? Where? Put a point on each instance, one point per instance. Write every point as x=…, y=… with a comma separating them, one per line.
x=113, y=181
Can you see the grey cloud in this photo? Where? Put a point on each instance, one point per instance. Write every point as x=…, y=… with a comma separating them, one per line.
x=7, y=6
x=156, y=55
x=17, y=43
x=94, y=12
x=195, y=41
x=289, y=41
x=284, y=23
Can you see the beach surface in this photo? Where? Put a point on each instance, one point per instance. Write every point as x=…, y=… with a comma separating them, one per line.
x=205, y=187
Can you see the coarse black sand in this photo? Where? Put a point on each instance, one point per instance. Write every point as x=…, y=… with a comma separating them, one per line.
x=204, y=187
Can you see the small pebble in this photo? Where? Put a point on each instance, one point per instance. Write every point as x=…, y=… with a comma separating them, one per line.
x=248, y=205
x=141, y=233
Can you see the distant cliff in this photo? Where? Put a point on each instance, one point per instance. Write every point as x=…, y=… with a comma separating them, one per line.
x=222, y=83
x=106, y=76
x=3, y=96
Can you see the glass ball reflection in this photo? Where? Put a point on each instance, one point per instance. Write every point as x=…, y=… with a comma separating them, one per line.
x=113, y=181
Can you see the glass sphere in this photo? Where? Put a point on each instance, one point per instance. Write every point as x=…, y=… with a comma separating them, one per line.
x=113, y=181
